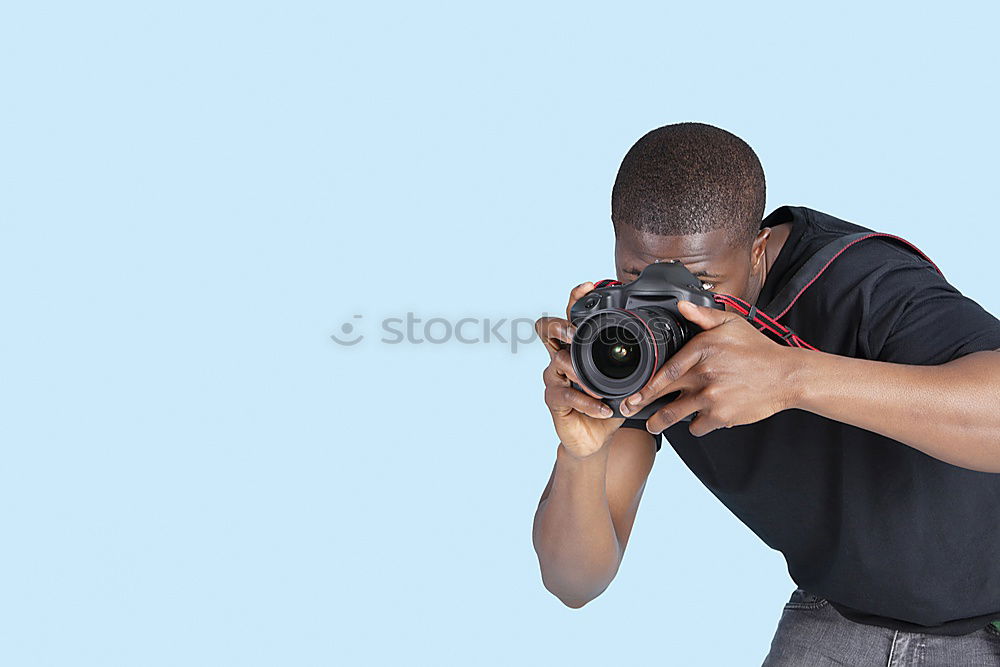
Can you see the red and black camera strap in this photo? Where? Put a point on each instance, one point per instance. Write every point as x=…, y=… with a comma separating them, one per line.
x=800, y=282
x=764, y=322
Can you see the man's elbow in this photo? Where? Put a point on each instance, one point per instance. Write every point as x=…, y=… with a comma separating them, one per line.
x=573, y=603
x=575, y=597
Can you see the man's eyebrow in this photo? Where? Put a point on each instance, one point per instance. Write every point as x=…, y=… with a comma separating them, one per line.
x=697, y=274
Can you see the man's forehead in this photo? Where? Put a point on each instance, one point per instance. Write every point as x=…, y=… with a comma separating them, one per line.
x=688, y=248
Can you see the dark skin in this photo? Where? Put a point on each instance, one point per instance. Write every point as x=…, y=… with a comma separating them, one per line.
x=730, y=374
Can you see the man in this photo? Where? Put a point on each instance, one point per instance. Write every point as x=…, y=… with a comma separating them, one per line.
x=869, y=463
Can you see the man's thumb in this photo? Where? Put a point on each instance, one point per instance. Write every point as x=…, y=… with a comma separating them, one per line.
x=704, y=317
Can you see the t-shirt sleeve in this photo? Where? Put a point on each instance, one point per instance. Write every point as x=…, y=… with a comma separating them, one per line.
x=641, y=424
x=913, y=315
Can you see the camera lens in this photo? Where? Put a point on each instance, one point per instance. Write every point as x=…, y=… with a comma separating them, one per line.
x=616, y=352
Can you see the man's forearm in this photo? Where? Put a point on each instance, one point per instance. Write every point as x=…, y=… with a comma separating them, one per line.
x=950, y=411
x=573, y=534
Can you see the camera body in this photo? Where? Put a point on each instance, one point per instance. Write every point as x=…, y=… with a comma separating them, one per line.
x=625, y=332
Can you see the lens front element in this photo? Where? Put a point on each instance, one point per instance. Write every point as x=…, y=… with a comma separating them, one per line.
x=616, y=353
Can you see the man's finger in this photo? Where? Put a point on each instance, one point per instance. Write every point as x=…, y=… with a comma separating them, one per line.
x=562, y=398
x=554, y=332
x=703, y=316
x=670, y=377
x=563, y=365
x=704, y=424
x=576, y=293
x=552, y=377
x=673, y=412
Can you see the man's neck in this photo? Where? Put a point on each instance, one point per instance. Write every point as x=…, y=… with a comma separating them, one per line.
x=776, y=241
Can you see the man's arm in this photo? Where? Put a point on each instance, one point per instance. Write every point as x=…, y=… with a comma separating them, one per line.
x=731, y=375
x=586, y=513
x=587, y=509
x=950, y=411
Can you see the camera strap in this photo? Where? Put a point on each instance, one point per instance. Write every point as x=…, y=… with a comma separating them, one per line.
x=800, y=282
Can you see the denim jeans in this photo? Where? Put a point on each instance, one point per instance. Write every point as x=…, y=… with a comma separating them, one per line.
x=811, y=633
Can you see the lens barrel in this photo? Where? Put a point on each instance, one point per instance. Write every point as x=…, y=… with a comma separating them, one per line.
x=615, y=351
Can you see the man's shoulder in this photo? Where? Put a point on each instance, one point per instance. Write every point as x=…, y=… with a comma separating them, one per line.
x=873, y=272
x=817, y=222
x=872, y=256
x=876, y=257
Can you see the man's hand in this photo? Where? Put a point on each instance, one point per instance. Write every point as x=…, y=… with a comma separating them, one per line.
x=583, y=423
x=730, y=374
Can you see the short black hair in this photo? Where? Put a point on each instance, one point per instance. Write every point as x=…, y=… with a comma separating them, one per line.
x=690, y=178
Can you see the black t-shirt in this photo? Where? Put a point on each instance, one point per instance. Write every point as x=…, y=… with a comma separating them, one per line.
x=890, y=535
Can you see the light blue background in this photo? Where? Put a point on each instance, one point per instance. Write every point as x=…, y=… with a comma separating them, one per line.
x=194, y=196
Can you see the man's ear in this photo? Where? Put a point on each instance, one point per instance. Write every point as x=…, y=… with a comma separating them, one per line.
x=757, y=249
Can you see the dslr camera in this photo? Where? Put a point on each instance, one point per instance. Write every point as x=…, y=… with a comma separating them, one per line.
x=625, y=332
